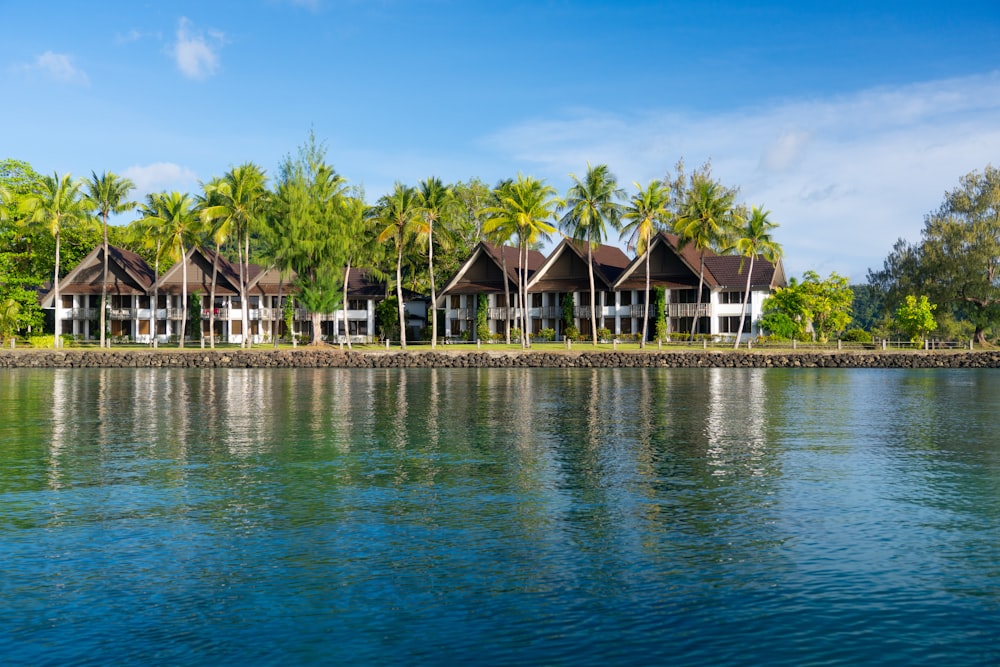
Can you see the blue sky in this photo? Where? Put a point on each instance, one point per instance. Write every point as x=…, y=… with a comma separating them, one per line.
x=847, y=120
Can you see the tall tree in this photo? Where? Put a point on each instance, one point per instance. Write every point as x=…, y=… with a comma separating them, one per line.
x=525, y=205
x=172, y=220
x=707, y=217
x=311, y=213
x=500, y=232
x=396, y=214
x=56, y=204
x=108, y=193
x=646, y=214
x=217, y=232
x=435, y=202
x=752, y=241
x=593, y=206
x=243, y=199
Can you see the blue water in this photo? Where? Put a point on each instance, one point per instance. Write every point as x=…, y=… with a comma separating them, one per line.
x=500, y=517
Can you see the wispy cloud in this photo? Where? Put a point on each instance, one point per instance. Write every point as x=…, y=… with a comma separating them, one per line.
x=160, y=176
x=58, y=67
x=843, y=176
x=195, y=52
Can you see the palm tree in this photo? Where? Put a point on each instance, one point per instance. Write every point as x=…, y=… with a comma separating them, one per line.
x=242, y=199
x=707, y=217
x=144, y=233
x=177, y=225
x=108, y=193
x=435, y=201
x=754, y=240
x=647, y=213
x=592, y=208
x=217, y=231
x=55, y=204
x=524, y=206
x=396, y=214
x=500, y=234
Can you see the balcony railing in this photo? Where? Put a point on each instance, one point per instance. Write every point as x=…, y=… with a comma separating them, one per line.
x=123, y=313
x=81, y=314
x=219, y=313
x=689, y=309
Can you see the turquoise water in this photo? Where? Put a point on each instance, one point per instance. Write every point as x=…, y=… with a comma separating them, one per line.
x=500, y=517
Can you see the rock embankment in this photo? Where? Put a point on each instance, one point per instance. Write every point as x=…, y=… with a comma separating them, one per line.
x=333, y=358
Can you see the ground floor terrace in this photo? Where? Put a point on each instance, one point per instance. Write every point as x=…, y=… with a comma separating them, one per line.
x=619, y=314
x=133, y=318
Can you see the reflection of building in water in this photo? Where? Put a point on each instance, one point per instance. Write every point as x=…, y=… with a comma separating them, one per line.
x=736, y=423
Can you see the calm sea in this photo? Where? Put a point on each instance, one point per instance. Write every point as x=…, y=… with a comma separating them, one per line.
x=500, y=517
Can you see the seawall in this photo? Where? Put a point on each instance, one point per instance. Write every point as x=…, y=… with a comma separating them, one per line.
x=334, y=358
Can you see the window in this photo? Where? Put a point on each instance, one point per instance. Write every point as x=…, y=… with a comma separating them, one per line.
x=609, y=298
x=731, y=324
x=67, y=301
x=536, y=300
x=357, y=304
x=456, y=301
x=731, y=296
x=625, y=298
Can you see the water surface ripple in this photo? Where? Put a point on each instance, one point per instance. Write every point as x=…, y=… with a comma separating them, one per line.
x=499, y=517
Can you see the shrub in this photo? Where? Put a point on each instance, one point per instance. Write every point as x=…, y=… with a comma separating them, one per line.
x=545, y=335
x=571, y=332
x=604, y=334
x=856, y=336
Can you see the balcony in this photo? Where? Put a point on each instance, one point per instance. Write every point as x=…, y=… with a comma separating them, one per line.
x=219, y=313
x=81, y=314
x=123, y=313
x=689, y=310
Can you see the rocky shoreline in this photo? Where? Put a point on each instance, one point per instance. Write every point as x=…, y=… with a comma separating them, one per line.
x=334, y=358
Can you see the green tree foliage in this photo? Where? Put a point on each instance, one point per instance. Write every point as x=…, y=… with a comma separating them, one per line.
x=396, y=215
x=387, y=318
x=567, y=309
x=436, y=204
x=754, y=240
x=56, y=205
x=593, y=206
x=644, y=216
x=309, y=224
x=108, y=193
x=660, y=308
x=957, y=261
x=522, y=208
x=915, y=317
x=482, y=321
x=706, y=219
x=823, y=304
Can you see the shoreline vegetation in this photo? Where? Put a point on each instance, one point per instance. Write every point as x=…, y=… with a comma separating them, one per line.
x=332, y=357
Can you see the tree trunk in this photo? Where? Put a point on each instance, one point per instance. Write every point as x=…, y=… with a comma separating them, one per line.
x=57, y=341
x=347, y=329
x=645, y=312
x=506, y=294
x=274, y=334
x=525, y=340
x=211, y=298
x=430, y=268
x=701, y=283
x=743, y=310
x=593, y=296
x=104, y=283
x=317, y=337
x=243, y=294
x=184, y=297
x=399, y=295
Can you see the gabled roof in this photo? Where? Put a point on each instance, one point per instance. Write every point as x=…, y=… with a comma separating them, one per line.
x=566, y=268
x=675, y=267
x=128, y=273
x=483, y=271
x=199, y=275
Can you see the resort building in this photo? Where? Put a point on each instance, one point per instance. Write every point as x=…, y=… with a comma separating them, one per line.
x=619, y=286
x=133, y=288
x=491, y=271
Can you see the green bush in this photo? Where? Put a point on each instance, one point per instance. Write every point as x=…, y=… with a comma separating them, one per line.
x=545, y=335
x=571, y=333
x=604, y=334
x=856, y=336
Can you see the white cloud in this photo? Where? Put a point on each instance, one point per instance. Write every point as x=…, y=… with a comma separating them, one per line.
x=197, y=53
x=60, y=67
x=844, y=176
x=161, y=176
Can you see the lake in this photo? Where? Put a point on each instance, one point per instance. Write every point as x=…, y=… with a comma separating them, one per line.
x=500, y=517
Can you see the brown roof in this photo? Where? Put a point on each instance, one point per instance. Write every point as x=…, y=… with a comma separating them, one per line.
x=566, y=268
x=128, y=273
x=483, y=272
